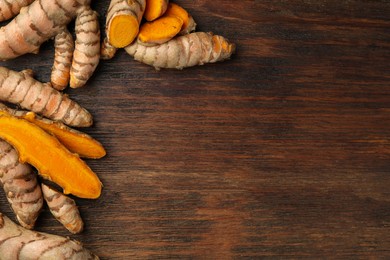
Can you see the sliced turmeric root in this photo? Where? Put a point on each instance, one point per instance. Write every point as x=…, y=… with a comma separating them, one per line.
x=75, y=141
x=160, y=30
x=52, y=160
x=189, y=24
x=123, y=20
x=155, y=9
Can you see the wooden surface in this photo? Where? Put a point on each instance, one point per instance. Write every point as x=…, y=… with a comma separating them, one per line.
x=282, y=151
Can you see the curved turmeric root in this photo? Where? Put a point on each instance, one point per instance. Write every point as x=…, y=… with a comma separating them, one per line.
x=52, y=160
x=184, y=51
x=20, y=243
x=20, y=186
x=160, y=30
x=155, y=9
x=87, y=48
x=64, y=209
x=9, y=9
x=64, y=47
x=22, y=89
x=123, y=20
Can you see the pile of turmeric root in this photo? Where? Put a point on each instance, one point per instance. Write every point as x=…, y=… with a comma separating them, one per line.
x=38, y=145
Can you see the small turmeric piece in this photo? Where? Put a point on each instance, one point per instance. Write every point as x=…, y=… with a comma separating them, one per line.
x=123, y=21
x=155, y=9
x=64, y=209
x=20, y=243
x=63, y=54
x=183, y=51
x=86, y=55
x=20, y=186
x=160, y=30
x=52, y=160
x=189, y=24
x=22, y=89
x=9, y=9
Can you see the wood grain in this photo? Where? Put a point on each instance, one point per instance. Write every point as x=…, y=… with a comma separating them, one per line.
x=281, y=152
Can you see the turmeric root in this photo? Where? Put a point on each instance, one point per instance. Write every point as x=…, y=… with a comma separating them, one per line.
x=21, y=89
x=189, y=24
x=64, y=47
x=9, y=9
x=52, y=160
x=155, y=9
x=35, y=24
x=20, y=186
x=184, y=51
x=160, y=30
x=107, y=51
x=20, y=243
x=64, y=209
x=75, y=141
x=87, y=48
x=123, y=20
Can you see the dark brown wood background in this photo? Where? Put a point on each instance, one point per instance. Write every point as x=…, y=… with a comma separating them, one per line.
x=282, y=151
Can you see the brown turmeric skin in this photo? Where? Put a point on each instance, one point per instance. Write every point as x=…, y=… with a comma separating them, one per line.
x=64, y=209
x=52, y=160
x=9, y=9
x=184, y=51
x=63, y=54
x=22, y=89
x=87, y=47
x=20, y=243
x=20, y=185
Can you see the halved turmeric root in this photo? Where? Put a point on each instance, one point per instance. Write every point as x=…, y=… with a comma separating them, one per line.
x=189, y=24
x=160, y=30
x=75, y=141
x=155, y=9
x=52, y=160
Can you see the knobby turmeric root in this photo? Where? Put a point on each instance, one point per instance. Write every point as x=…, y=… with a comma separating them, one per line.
x=184, y=51
x=22, y=89
x=20, y=186
x=64, y=209
x=155, y=9
x=160, y=30
x=9, y=9
x=20, y=243
x=122, y=23
x=63, y=54
x=87, y=48
x=35, y=24
x=52, y=160
x=75, y=141
x=189, y=24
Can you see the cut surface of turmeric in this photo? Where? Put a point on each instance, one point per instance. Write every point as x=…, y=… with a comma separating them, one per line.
x=123, y=20
x=155, y=9
x=189, y=24
x=52, y=160
x=160, y=30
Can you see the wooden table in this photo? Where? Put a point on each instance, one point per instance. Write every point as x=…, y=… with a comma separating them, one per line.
x=282, y=151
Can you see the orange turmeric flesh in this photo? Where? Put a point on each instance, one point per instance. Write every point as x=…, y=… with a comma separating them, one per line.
x=122, y=30
x=52, y=160
x=75, y=141
x=189, y=24
x=160, y=30
x=155, y=9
